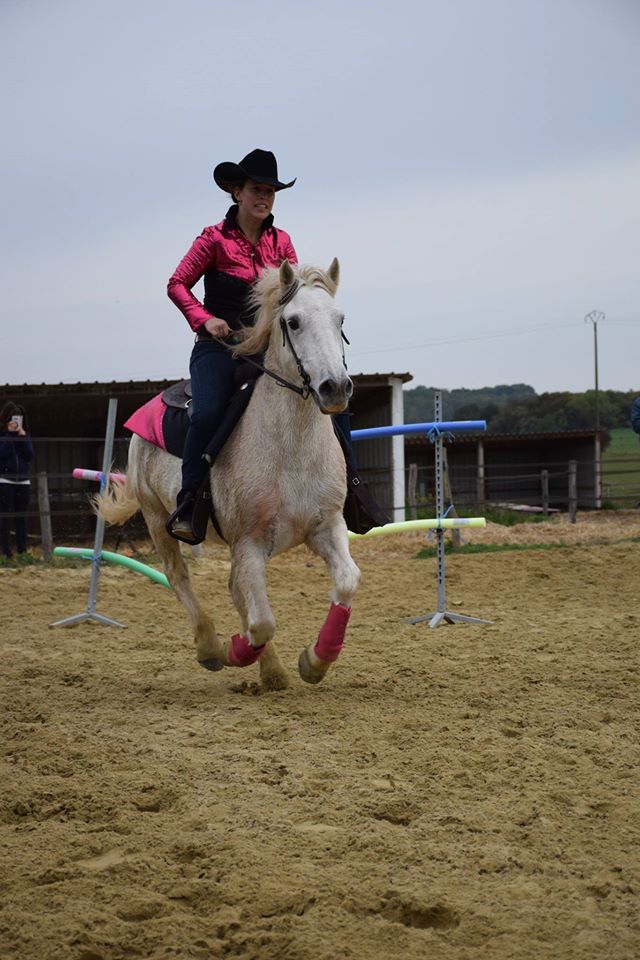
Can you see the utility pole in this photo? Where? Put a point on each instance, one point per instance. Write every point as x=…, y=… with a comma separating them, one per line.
x=593, y=318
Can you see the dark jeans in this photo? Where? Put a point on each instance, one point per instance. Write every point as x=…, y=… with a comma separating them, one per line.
x=212, y=370
x=14, y=499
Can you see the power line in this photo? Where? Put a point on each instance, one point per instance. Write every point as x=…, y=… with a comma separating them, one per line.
x=495, y=335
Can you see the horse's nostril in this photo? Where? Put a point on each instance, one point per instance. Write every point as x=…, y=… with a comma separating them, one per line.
x=328, y=388
x=332, y=388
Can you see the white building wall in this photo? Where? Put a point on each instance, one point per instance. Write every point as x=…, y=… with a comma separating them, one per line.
x=397, y=451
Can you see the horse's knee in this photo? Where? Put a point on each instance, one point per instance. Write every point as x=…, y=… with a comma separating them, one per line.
x=262, y=629
x=347, y=585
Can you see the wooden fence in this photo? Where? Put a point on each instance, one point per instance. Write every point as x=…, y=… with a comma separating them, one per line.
x=60, y=512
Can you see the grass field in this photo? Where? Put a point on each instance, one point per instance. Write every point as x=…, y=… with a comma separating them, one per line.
x=621, y=468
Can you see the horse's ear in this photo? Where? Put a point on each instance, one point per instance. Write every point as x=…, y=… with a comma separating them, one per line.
x=334, y=271
x=287, y=276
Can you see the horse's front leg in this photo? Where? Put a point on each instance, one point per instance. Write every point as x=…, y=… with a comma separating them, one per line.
x=330, y=541
x=208, y=646
x=248, y=587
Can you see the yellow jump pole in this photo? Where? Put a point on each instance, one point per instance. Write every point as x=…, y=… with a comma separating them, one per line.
x=408, y=526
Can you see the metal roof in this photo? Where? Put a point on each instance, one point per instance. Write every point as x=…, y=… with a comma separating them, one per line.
x=103, y=387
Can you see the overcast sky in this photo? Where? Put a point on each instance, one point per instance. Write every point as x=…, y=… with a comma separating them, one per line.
x=474, y=164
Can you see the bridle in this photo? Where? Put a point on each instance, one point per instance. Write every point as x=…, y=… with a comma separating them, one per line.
x=305, y=390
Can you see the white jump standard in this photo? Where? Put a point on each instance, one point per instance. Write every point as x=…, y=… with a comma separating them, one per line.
x=442, y=614
x=90, y=613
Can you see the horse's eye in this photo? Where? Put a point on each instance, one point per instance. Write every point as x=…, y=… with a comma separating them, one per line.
x=293, y=323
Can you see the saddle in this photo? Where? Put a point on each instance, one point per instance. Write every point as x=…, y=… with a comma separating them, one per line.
x=361, y=512
x=178, y=395
x=175, y=424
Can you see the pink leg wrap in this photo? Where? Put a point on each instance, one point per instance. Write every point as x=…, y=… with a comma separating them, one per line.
x=331, y=637
x=241, y=653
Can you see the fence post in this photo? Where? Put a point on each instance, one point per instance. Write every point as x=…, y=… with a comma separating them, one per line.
x=44, y=508
x=481, y=492
x=544, y=479
x=412, y=486
x=456, y=537
x=573, y=490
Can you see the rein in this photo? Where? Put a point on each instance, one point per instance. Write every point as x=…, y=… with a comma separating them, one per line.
x=305, y=390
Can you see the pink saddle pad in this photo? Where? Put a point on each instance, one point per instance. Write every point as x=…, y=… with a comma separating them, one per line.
x=146, y=421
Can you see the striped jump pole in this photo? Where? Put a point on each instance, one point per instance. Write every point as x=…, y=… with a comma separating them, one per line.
x=81, y=474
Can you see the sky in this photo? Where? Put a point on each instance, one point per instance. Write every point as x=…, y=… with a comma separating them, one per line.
x=474, y=165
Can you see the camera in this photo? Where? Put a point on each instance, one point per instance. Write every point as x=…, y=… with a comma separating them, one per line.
x=17, y=419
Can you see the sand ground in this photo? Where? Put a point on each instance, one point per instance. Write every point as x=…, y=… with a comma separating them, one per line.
x=466, y=792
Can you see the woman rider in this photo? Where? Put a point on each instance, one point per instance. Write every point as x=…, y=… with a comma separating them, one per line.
x=230, y=257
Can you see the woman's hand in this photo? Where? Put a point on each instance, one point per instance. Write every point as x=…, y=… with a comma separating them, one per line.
x=14, y=427
x=217, y=327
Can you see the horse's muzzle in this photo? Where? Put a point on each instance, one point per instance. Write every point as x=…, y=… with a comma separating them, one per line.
x=333, y=395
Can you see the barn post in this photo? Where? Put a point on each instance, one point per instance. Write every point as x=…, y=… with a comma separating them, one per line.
x=397, y=451
x=44, y=509
x=481, y=492
x=544, y=480
x=573, y=490
x=412, y=485
x=456, y=537
x=598, y=471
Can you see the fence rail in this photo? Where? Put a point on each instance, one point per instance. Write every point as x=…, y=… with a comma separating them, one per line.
x=60, y=509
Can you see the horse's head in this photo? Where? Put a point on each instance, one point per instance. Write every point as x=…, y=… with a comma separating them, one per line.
x=300, y=327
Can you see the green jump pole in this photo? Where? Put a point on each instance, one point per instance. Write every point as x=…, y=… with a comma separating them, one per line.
x=107, y=556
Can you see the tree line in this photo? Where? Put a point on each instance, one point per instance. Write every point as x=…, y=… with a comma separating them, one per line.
x=517, y=408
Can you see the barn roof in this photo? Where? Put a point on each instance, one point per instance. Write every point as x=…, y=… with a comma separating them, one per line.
x=105, y=387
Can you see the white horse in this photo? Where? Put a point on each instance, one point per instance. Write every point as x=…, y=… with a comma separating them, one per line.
x=279, y=481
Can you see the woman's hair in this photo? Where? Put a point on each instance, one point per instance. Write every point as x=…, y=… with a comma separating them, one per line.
x=232, y=187
x=9, y=410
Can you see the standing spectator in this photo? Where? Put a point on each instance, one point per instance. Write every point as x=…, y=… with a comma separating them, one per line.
x=16, y=453
x=635, y=414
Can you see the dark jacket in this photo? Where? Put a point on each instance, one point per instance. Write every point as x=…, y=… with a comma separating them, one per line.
x=635, y=414
x=16, y=453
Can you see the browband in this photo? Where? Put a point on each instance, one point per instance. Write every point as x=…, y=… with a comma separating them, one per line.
x=290, y=293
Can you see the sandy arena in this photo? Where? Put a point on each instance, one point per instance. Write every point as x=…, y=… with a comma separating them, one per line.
x=461, y=793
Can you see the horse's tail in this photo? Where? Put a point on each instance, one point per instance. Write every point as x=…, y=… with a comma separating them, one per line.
x=117, y=503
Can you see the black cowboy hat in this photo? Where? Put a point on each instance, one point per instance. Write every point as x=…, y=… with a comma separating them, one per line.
x=259, y=165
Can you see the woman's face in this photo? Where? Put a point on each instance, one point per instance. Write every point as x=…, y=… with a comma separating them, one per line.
x=255, y=199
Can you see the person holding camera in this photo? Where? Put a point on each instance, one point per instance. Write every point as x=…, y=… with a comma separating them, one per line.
x=16, y=453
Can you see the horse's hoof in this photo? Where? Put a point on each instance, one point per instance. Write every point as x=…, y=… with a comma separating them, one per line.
x=211, y=664
x=307, y=670
x=274, y=681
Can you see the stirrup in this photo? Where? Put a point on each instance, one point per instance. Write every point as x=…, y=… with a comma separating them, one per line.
x=180, y=527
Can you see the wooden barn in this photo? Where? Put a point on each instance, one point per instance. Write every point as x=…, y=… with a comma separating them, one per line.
x=67, y=422
x=523, y=469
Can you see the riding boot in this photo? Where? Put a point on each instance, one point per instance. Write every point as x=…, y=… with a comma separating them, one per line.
x=361, y=512
x=180, y=523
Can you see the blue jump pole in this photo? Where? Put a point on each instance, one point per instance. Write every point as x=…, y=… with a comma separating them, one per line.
x=438, y=426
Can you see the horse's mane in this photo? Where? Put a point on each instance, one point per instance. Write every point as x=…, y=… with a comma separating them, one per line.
x=264, y=301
